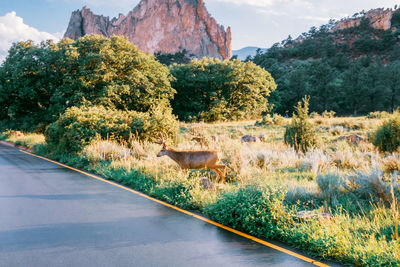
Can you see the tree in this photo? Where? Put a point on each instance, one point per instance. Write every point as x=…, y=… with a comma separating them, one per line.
x=113, y=73
x=211, y=90
x=300, y=134
x=392, y=82
x=322, y=85
x=181, y=57
x=39, y=82
x=28, y=78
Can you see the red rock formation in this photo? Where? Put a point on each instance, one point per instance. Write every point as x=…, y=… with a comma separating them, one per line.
x=379, y=19
x=167, y=26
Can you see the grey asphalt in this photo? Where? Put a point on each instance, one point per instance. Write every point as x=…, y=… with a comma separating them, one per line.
x=53, y=216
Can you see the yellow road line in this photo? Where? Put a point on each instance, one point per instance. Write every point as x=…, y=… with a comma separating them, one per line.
x=255, y=239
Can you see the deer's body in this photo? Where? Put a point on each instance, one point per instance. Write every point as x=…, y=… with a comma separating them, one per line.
x=196, y=160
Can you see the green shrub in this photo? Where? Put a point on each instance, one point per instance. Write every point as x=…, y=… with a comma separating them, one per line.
x=77, y=127
x=251, y=209
x=301, y=134
x=330, y=185
x=387, y=137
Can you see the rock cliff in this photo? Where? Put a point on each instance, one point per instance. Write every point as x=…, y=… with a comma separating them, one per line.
x=379, y=19
x=167, y=26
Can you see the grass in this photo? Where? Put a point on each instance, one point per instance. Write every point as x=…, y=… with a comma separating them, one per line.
x=269, y=184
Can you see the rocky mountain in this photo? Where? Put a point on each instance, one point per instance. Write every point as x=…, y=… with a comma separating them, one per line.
x=379, y=19
x=166, y=26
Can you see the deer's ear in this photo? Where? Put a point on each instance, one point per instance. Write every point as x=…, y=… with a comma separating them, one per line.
x=164, y=145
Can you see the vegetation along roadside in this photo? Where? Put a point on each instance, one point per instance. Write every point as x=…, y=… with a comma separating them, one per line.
x=327, y=185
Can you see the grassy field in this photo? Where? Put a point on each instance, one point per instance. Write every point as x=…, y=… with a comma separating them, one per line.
x=338, y=201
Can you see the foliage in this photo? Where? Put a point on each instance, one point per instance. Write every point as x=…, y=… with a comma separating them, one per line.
x=387, y=136
x=330, y=185
x=37, y=83
x=318, y=64
x=181, y=57
x=77, y=127
x=301, y=134
x=252, y=209
x=28, y=78
x=214, y=90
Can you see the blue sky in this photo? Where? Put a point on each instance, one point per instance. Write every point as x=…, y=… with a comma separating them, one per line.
x=254, y=22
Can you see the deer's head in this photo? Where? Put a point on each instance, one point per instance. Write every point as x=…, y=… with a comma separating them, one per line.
x=163, y=151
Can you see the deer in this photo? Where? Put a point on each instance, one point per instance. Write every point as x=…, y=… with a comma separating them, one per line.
x=195, y=160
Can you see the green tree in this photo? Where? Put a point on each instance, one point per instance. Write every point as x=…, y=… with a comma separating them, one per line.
x=39, y=82
x=28, y=78
x=211, y=90
x=300, y=134
x=114, y=73
x=392, y=82
x=322, y=85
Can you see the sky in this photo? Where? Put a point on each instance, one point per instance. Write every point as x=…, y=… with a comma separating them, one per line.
x=258, y=23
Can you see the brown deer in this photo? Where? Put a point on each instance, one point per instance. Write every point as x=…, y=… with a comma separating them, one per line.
x=195, y=160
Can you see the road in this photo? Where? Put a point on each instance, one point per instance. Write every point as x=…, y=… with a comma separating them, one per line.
x=53, y=216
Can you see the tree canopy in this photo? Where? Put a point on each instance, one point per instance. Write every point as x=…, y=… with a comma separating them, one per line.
x=213, y=90
x=38, y=82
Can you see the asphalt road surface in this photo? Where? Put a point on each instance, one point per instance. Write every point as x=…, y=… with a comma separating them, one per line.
x=53, y=216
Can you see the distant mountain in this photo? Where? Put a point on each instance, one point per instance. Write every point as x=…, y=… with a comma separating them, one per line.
x=247, y=51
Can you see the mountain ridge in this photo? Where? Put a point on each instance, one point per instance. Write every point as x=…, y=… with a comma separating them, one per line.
x=167, y=26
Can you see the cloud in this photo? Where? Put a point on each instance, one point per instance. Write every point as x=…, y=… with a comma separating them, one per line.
x=13, y=29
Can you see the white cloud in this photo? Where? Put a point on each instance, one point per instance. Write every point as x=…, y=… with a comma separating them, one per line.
x=13, y=29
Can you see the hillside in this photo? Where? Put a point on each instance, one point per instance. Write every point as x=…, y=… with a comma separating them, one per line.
x=351, y=66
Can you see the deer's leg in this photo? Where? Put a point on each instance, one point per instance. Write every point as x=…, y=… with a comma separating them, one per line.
x=219, y=174
x=223, y=172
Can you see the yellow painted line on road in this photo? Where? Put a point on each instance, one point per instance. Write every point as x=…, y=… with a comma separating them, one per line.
x=255, y=239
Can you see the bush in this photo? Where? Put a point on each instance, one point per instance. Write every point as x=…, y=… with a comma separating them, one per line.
x=301, y=134
x=77, y=127
x=330, y=185
x=373, y=184
x=387, y=137
x=251, y=209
